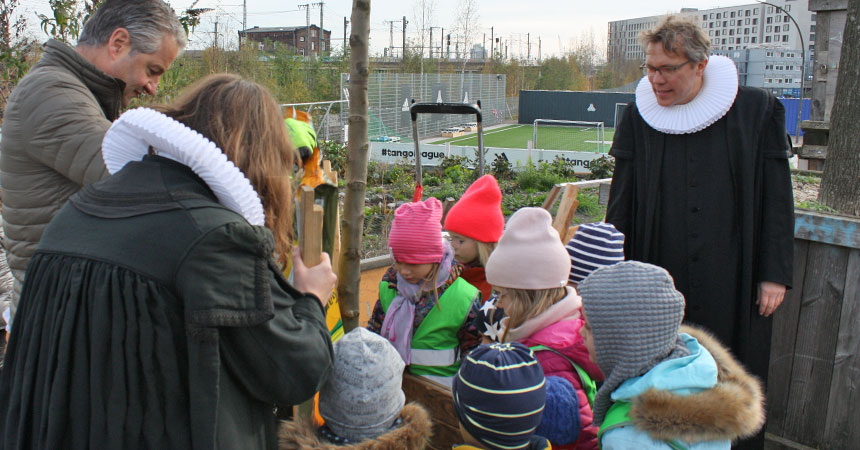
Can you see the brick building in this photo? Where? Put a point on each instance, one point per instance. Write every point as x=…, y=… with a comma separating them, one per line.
x=270, y=38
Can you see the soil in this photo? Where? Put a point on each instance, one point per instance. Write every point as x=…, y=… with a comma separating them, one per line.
x=805, y=191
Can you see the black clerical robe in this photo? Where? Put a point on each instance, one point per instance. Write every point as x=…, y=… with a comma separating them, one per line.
x=715, y=208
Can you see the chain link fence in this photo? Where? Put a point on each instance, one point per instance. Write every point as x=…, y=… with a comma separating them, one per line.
x=390, y=94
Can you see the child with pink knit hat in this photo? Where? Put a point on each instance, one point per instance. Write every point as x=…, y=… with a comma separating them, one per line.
x=425, y=308
x=475, y=224
x=529, y=271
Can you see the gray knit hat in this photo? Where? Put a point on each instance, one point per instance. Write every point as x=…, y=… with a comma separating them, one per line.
x=363, y=396
x=634, y=312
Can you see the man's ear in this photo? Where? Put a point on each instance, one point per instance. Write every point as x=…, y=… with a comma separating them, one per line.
x=700, y=67
x=119, y=43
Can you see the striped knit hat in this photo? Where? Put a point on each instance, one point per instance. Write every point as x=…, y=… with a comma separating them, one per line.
x=634, y=312
x=594, y=245
x=499, y=395
x=416, y=233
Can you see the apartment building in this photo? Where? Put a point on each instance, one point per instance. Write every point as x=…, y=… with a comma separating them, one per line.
x=740, y=27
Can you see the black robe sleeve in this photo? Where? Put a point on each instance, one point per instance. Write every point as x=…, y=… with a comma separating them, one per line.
x=776, y=249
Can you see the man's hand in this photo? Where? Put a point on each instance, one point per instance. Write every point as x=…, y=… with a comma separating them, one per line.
x=318, y=280
x=770, y=296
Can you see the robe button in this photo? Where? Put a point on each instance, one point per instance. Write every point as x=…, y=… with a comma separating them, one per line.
x=695, y=209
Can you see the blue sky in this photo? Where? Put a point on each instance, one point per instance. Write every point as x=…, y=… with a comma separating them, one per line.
x=558, y=24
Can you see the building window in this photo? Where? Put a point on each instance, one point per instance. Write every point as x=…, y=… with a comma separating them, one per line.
x=717, y=33
x=812, y=37
x=719, y=16
x=313, y=45
x=813, y=17
x=747, y=22
x=710, y=24
x=302, y=51
x=260, y=46
x=732, y=22
x=767, y=39
x=712, y=16
x=313, y=33
x=725, y=23
x=711, y=33
x=731, y=32
x=746, y=40
x=811, y=47
x=770, y=9
x=747, y=13
x=724, y=41
x=785, y=28
x=704, y=17
x=785, y=19
x=322, y=46
x=755, y=21
x=746, y=31
x=785, y=38
x=754, y=40
x=769, y=20
x=768, y=28
x=787, y=7
x=732, y=14
x=812, y=28
x=302, y=39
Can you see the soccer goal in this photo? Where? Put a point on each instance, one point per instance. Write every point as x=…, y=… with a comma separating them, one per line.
x=571, y=135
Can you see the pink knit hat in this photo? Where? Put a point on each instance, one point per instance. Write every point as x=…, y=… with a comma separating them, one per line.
x=530, y=254
x=416, y=233
x=478, y=213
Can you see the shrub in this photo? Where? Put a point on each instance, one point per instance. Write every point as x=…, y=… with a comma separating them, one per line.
x=502, y=168
x=602, y=167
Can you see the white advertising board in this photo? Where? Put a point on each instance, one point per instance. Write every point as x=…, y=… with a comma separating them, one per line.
x=432, y=155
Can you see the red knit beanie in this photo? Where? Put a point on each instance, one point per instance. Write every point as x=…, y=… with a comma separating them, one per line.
x=416, y=233
x=478, y=213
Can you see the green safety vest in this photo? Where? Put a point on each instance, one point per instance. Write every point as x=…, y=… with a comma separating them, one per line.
x=618, y=416
x=434, y=343
x=588, y=384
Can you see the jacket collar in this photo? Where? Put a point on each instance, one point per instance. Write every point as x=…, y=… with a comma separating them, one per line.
x=106, y=89
x=411, y=435
x=564, y=309
x=732, y=409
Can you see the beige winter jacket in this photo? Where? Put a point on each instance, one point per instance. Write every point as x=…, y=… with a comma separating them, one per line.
x=52, y=134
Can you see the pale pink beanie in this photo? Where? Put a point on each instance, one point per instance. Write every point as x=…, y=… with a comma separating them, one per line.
x=416, y=233
x=530, y=254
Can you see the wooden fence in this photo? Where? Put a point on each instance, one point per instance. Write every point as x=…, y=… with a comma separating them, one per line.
x=814, y=381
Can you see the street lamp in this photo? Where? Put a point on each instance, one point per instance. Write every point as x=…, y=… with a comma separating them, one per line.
x=802, y=67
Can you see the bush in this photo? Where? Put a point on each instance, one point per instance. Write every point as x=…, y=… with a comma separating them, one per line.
x=531, y=179
x=454, y=160
x=511, y=203
x=336, y=153
x=602, y=167
x=502, y=169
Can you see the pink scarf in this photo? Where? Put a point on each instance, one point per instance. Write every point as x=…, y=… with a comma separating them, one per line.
x=397, y=325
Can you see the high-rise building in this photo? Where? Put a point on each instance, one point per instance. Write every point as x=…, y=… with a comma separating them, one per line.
x=740, y=27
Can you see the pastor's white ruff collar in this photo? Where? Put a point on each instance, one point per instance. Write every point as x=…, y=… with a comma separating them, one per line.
x=130, y=137
x=719, y=89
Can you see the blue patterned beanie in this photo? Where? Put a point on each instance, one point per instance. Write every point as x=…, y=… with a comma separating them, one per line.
x=499, y=395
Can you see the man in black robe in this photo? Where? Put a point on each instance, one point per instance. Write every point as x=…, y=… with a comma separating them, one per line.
x=702, y=188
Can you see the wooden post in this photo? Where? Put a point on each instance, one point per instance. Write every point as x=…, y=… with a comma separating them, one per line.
x=446, y=206
x=550, y=198
x=311, y=245
x=566, y=210
x=312, y=219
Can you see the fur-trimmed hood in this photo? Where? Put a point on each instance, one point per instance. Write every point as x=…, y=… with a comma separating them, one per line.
x=412, y=434
x=732, y=409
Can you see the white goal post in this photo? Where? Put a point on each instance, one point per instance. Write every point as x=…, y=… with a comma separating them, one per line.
x=573, y=135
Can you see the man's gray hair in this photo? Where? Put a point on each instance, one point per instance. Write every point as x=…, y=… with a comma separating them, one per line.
x=679, y=35
x=147, y=22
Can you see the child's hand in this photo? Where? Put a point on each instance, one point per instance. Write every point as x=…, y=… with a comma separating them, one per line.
x=318, y=280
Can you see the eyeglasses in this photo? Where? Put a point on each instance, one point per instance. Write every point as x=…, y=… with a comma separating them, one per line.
x=663, y=70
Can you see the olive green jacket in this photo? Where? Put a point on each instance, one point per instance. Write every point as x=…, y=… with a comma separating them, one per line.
x=54, y=123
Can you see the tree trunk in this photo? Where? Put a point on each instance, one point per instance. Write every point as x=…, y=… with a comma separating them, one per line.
x=356, y=170
x=840, y=185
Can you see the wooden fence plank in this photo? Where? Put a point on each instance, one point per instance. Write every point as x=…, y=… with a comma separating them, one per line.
x=842, y=429
x=550, y=197
x=566, y=210
x=815, y=348
x=837, y=230
x=782, y=344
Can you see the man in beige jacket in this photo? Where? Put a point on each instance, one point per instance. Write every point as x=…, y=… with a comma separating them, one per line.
x=58, y=114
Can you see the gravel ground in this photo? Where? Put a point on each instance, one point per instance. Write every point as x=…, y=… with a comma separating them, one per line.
x=804, y=191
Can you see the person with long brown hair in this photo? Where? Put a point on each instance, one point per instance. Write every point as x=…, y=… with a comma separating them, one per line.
x=154, y=313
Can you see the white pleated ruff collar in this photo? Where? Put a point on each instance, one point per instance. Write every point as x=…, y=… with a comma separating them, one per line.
x=130, y=137
x=719, y=89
